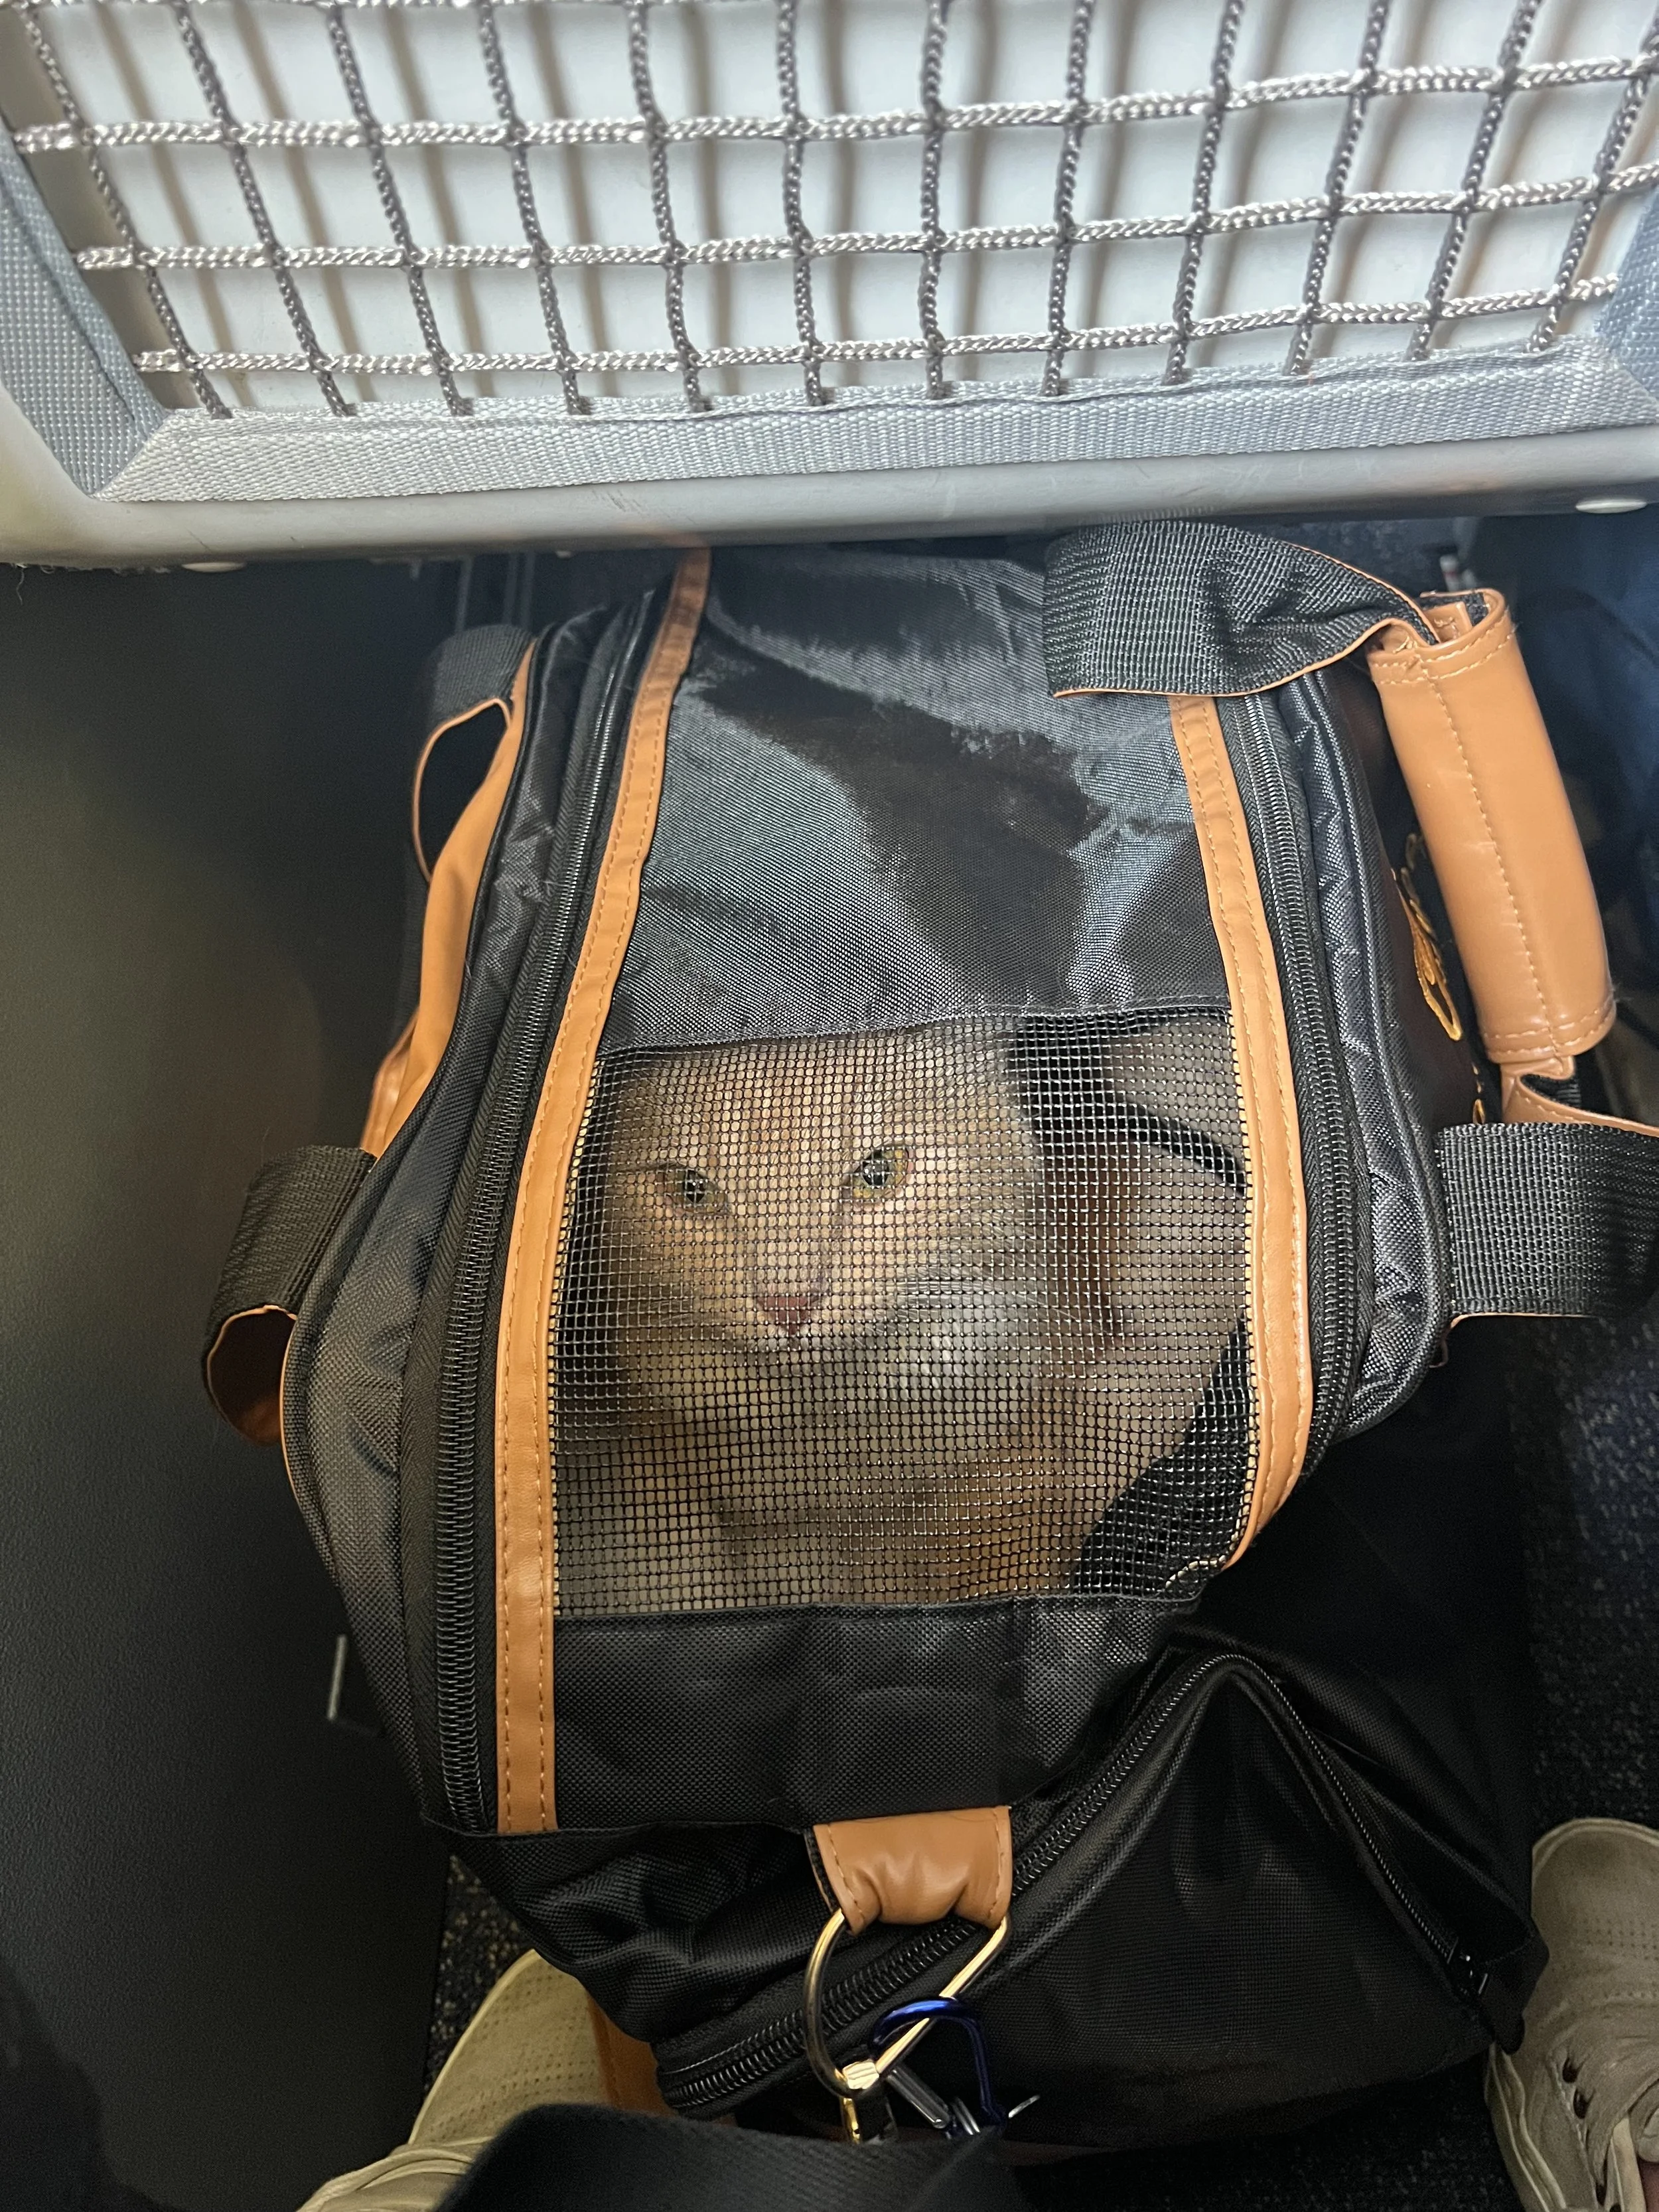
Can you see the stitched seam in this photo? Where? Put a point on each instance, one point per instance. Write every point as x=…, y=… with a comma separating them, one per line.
x=610, y=919
x=1456, y=663
x=1498, y=851
x=1199, y=736
x=1265, y=969
x=1190, y=727
x=599, y=925
x=1245, y=1044
x=1203, y=737
x=831, y=1856
x=1574, y=1041
x=1533, y=1034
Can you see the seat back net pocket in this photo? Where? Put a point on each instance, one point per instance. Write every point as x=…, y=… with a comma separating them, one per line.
x=910, y=1316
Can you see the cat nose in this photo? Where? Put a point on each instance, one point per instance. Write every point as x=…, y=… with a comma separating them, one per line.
x=792, y=1309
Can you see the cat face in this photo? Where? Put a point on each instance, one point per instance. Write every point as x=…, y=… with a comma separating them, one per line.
x=789, y=1202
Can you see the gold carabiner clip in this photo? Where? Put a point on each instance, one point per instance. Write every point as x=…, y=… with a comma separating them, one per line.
x=857, y=2087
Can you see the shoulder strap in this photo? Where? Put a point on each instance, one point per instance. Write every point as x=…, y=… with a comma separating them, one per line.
x=292, y=1207
x=1551, y=1217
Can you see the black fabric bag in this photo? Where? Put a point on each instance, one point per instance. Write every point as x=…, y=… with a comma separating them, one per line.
x=939, y=1094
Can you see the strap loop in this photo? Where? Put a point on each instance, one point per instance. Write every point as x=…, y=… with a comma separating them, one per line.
x=1551, y=1217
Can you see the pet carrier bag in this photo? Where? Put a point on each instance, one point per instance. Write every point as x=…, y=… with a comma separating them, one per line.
x=939, y=1091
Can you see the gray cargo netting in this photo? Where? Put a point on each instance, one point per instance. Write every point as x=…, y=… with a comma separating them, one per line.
x=361, y=247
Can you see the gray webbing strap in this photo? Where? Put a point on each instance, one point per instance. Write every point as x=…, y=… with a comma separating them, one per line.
x=1548, y=1217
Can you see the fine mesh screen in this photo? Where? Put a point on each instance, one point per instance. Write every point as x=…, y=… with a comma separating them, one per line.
x=592, y=203
x=905, y=1317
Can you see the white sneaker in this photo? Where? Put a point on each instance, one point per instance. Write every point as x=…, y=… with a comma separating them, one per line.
x=532, y=2041
x=1578, y=2104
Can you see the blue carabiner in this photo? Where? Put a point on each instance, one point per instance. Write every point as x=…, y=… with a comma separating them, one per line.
x=891, y=2024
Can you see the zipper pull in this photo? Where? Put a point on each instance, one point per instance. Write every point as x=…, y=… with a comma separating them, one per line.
x=1468, y=1976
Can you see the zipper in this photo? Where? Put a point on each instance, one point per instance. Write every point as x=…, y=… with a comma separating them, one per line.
x=515, y=1081
x=1330, y=1168
x=748, y=2065
x=1459, y=1963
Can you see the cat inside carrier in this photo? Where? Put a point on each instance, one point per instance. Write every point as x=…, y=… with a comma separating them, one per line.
x=903, y=1316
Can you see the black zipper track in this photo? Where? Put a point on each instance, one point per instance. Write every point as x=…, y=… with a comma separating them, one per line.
x=1325, y=735
x=515, y=1081
x=750, y=2065
x=1330, y=1163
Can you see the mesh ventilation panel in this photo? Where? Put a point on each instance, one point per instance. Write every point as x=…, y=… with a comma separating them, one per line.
x=908, y=1317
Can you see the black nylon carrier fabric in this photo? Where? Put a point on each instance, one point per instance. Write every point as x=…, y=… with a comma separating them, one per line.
x=1220, y=1948
x=348, y=1383
x=1196, y=607
x=292, y=1207
x=1551, y=1217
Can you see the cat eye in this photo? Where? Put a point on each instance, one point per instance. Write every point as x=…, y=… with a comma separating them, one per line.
x=880, y=1173
x=690, y=1190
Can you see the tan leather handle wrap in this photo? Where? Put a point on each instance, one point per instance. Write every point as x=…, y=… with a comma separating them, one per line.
x=916, y=1867
x=1494, y=814
x=525, y=1505
x=1281, y=1355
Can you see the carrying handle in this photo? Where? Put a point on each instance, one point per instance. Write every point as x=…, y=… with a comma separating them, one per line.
x=478, y=685
x=1495, y=816
x=1196, y=609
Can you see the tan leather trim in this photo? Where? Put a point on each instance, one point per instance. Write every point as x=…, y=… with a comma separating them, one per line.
x=1522, y=1103
x=523, y=1474
x=449, y=904
x=628, y=2068
x=1494, y=814
x=388, y=1088
x=480, y=706
x=916, y=1867
x=1280, y=1352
